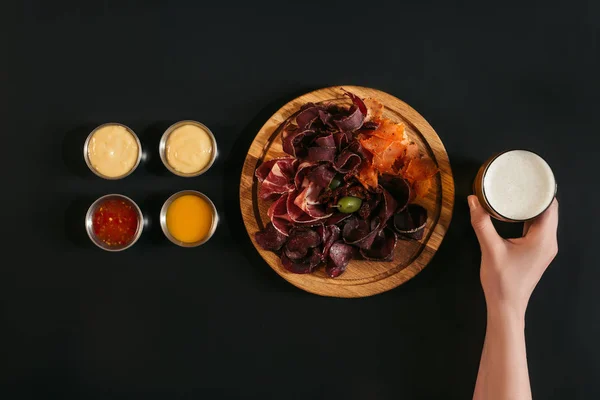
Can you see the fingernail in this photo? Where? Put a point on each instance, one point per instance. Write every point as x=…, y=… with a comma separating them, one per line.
x=472, y=200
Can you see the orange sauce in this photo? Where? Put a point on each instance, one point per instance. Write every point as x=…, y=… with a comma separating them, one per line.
x=189, y=218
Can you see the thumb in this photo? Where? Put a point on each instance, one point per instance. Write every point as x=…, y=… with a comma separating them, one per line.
x=482, y=224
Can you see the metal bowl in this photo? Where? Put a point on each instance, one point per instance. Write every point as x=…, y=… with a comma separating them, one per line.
x=89, y=223
x=86, y=155
x=162, y=147
x=163, y=218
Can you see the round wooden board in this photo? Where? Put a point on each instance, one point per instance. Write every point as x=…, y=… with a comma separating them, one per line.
x=362, y=278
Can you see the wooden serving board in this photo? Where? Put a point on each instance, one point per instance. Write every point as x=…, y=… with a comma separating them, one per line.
x=362, y=278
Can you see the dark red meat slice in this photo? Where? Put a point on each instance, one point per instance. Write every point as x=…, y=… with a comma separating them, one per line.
x=341, y=140
x=340, y=255
x=322, y=175
x=359, y=232
x=316, y=154
x=389, y=206
x=294, y=141
x=265, y=168
x=301, y=172
x=279, y=180
x=331, y=235
x=303, y=238
x=336, y=219
x=306, y=117
x=270, y=238
x=347, y=161
x=368, y=207
x=398, y=187
x=358, y=102
x=296, y=214
x=283, y=225
x=411, y=222
x=279, y=207
x=325, y=141
x=351, y=122
x=383, y=246
x=304, y=265
x=295, y=255
x=308, y=201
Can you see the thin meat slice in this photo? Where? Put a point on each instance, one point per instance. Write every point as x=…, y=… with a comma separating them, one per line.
x=294, y=141
x=340, y=255
x=265, y=168
x=331, y=235
x=325, y=141
x=351, y=122
x=383, y=246
x=303, y=238
x=304, y=265
x=270, y=238
x=279, y=180
x=398, y=187
x=317, y=154
x=347, y=161
x=411, y=222
x=322, y=175
x=306, y=117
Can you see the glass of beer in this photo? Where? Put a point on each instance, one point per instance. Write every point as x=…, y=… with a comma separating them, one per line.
x=515, y=186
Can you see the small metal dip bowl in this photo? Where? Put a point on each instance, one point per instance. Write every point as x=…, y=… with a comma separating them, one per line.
x=165, y=209
x=162, y=148
x=89, y=222
x=86, y=155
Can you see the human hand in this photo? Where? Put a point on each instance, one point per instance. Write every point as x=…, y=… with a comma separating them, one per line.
x=511, y=268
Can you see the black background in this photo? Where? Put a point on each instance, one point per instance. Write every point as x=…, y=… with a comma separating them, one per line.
x=159, y=321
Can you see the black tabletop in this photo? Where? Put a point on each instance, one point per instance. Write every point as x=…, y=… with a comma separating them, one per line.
x=158, y=321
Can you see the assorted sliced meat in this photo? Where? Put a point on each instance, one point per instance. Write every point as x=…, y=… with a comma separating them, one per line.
x=336, y=152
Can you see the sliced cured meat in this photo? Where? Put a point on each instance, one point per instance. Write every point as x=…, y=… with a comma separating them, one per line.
x=325, y=141
x=358, y=102
x=303, y=169
x=368, y=207
x=411, y=222
x=332, y=234
x=420, y=169
x=282, y=224
x=340, y=255
x=270, y=238
x=279, y=207
x=264, y=169
x=383, y=246
x=322, y=175
x=279, y=180
x=347, y=161
x=302, y=238
x=374, y=110
x=304, y=265
x=351, y=122
x=316, y=154
x=398, y=187
x=367, y=175
x=294, y=141
x=306, y=117
x=336, y=219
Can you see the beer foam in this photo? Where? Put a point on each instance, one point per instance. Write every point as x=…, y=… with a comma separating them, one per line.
x=519, y=184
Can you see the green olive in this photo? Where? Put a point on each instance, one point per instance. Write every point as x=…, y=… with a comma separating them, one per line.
x=349, y=204
x=335, y=182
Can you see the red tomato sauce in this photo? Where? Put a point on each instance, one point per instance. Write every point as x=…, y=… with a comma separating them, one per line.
x=115, y=222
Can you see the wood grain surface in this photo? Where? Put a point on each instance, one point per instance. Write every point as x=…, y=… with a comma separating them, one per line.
x=362, y=278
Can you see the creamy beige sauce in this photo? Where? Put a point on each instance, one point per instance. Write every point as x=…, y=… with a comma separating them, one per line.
x=189, y=149
x=113, y=151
